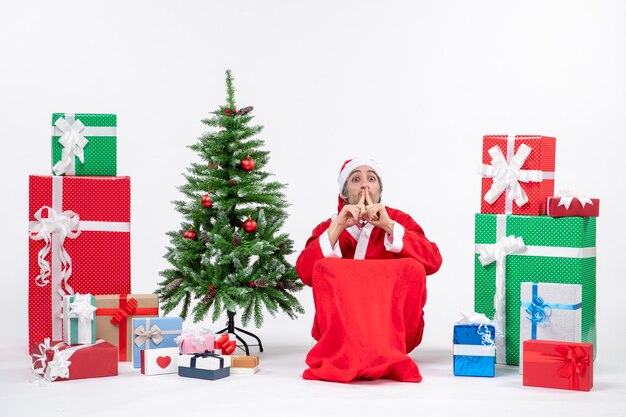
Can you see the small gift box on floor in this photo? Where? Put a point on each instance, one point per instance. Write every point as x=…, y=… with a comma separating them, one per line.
x=550, y=312
x=159, y=361
x=244, y=365
x=57, y=361
x=570, y=203
x=195, y=340
x=205, y=365
x=474, y=346
x=79, y=319
x=114, y=318
x=84, y=144
x=226, y=343
x=556, y=364
x=154, y=333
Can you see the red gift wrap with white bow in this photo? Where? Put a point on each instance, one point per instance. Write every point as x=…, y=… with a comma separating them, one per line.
x=518, y=174
x=79, y=243
x=569, y=203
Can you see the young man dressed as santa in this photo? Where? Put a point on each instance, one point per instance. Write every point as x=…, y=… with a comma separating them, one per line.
x=364, y=228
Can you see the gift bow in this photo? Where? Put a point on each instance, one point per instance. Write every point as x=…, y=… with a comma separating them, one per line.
x=568, y=195
x=497, y=252
x=81, y=308
x=58, y=367
x=123, y=312
x=73, y=143
x=144, y=336
x=226, y=344
x=538, y=311
x=66, y=224
x=508, y=175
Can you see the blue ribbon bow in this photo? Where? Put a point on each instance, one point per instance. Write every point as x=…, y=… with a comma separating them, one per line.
x=538, y=311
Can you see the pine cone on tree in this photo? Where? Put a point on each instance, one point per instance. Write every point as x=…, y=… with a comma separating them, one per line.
x=261, y=283
x=245, y=110
x=173, y=285
x=236, y=238
x=210, y=296
x=204, y=237
x=289, y=285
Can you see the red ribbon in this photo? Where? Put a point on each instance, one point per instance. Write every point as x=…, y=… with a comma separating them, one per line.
x=574, y=359
x=119, y=317
x=122, y=313
x=228, y=346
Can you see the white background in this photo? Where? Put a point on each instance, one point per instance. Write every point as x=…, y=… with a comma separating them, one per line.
x=412, y=84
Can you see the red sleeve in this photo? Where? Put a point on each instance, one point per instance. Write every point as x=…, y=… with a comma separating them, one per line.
x=415, y=244
x=311, y=253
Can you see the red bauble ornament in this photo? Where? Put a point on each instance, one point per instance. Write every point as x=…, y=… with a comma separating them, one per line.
x=234, y=111
x=211, y=287
x=249, y=225
x=227, y=112
x=247, y=164
x=206, y=201
x=190, y=234
x=251, y=284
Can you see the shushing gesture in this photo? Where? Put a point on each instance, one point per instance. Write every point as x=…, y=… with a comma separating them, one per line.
x=376, y=213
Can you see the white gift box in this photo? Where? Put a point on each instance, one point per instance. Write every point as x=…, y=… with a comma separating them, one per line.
x=550, y=312
x=159, y=361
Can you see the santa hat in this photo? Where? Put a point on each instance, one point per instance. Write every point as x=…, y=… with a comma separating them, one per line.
x=348, y=167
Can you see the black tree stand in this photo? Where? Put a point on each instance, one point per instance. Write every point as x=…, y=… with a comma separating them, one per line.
x=230, y=328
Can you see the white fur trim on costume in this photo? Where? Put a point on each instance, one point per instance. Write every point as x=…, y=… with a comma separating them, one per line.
x=394, y=242
x=364, y=238
x=356, y=162
x=327, y=250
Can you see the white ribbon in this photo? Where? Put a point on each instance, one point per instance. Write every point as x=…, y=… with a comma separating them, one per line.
x=81, y=309
x=497, y=253
x=568, y=195
x=59, y=366
x=73, y=143
x=62, y=225
x=507, y=175
x=473, y=318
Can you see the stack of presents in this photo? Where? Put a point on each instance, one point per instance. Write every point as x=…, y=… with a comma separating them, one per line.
x=534, y=274
x=82, y=316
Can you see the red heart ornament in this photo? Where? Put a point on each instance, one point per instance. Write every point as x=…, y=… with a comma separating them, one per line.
x=163, y=361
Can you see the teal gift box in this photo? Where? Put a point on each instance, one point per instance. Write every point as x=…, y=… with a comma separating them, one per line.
x=79, y=319
x=84, y=144
x=154, y=333
x=513, y=249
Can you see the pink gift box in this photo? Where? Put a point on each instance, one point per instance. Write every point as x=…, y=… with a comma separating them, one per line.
x=195, y=341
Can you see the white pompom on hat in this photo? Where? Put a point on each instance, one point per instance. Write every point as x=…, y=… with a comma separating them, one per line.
x=349, y=166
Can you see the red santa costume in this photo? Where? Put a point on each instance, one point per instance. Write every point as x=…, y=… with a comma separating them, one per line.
x=366, y=243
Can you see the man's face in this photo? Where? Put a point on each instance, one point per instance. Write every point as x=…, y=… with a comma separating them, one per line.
x=360, y=177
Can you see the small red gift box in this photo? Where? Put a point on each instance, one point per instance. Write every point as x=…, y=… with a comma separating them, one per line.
x=79, y=243
x=57, y=361
x=572, y=205
x=518, y=174
x=557, y=364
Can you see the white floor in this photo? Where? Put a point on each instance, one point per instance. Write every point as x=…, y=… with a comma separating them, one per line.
x=278, y=390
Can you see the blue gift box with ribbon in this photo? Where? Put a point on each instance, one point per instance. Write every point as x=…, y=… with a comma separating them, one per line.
x=550, y=311
x=474, y=349
x=154, y=333
x=207, y=365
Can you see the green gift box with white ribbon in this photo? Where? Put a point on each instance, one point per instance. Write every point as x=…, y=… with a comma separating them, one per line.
x=84, y=144
x=513, y=249
x=79, y=319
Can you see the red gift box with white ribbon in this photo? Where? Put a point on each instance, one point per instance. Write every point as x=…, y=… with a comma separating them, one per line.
x=569, y=203
x=79, y=243
x=518, y=174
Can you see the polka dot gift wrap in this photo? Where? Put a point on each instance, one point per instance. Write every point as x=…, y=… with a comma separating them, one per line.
x=94, y=258
x=557, y=250
x=84, y=144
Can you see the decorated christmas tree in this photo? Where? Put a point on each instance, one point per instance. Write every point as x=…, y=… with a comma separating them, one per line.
x=230, y=254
